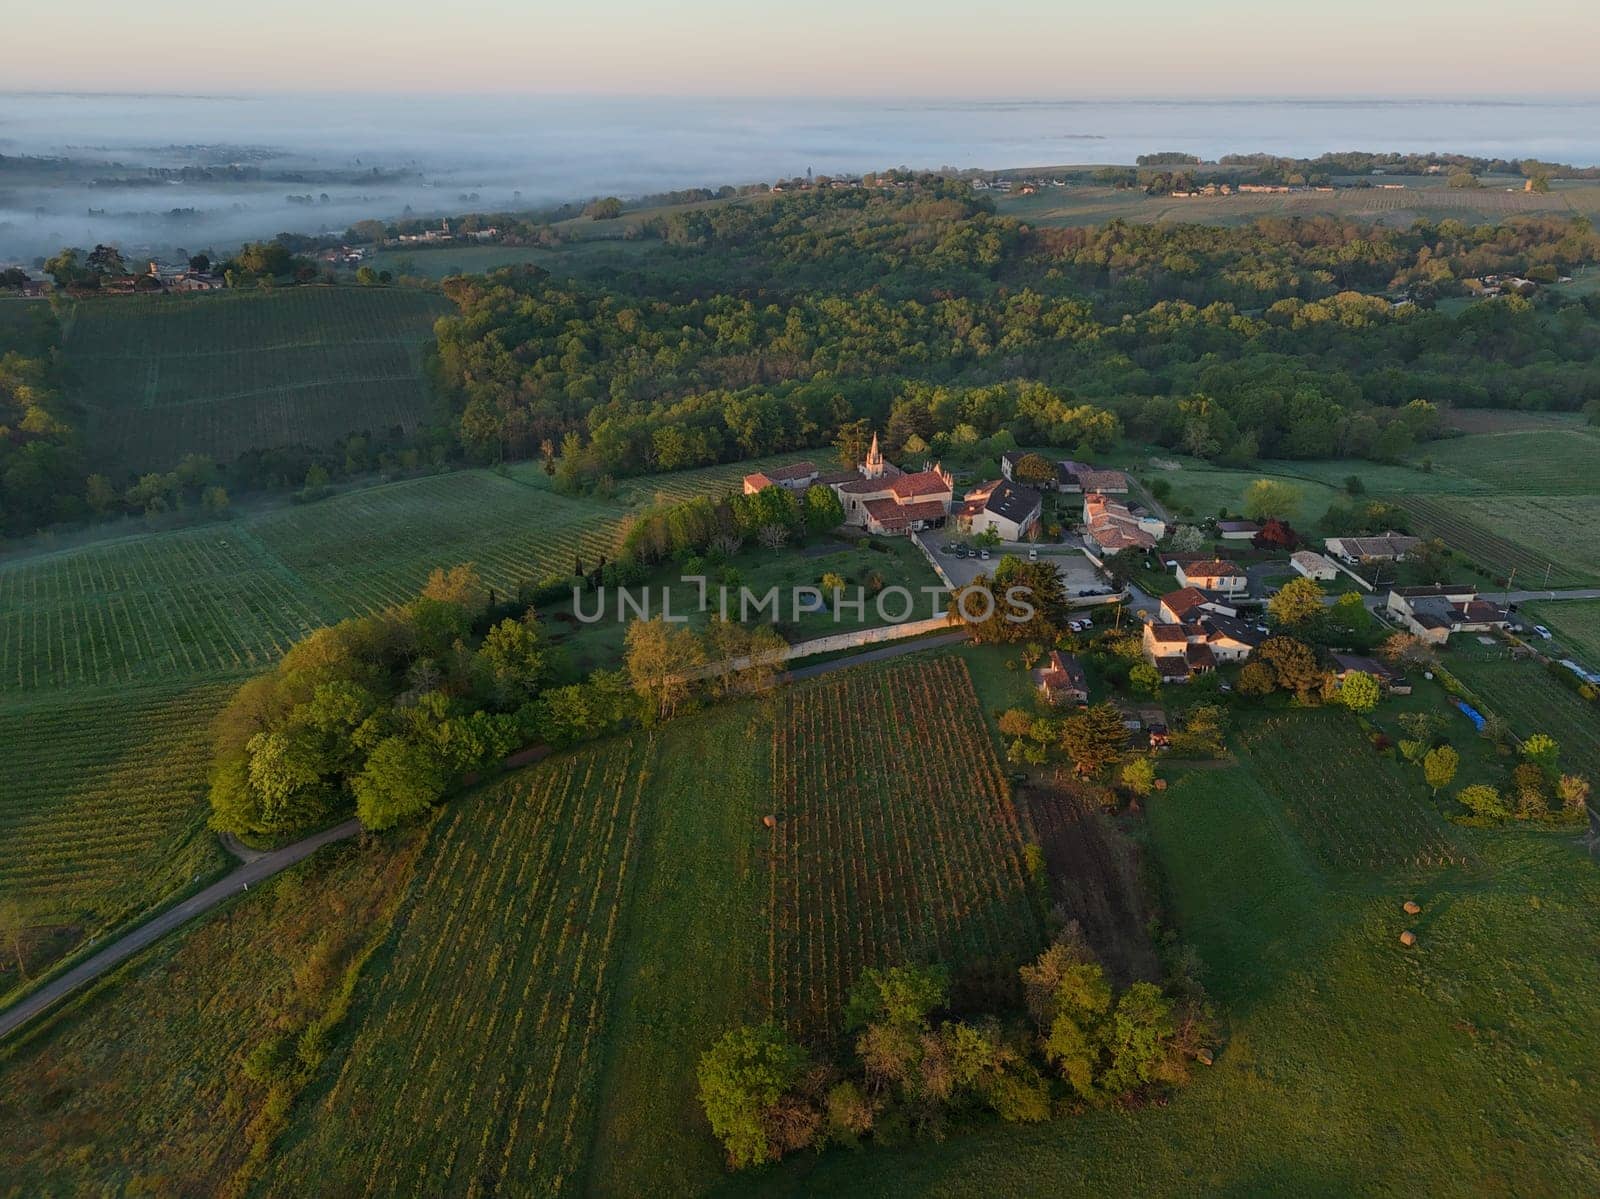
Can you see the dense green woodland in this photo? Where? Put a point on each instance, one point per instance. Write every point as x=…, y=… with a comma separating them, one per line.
x=765, y=324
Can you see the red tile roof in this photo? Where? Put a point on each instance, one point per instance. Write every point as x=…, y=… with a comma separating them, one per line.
x=795, y=470
x=923, y=483
x=1214, y=569
x=1184, y=601
x=1168, y=633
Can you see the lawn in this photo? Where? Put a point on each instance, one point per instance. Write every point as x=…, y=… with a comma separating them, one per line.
x=165, y=376
x=102, y=809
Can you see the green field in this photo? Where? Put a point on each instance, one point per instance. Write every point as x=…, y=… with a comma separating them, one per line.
x=1576, y=623
x=102, y=808
x=576, y=258
x=1546, y=539
x=220, y=374
x=1527, y=698
x=140, y=1086
x=1535, y=462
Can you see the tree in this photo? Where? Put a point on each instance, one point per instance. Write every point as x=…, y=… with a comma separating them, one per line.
x=1035, y=470
x=366, y=276
x=1464, y=180
x=399, y=781
x=607, y=209
x=1439, y=767
x=1297, y=605
x=1145, y=679
x=1484, y=800
x=1271, y=497
x=1186, y=539
x=1139, y=776
x=661, y=660
x=1293, y=665
x=458, y=584
x=741, y=1078
x=1094, y=738
x=822, y=510
x=1404, y=649
x=1544, y=752
x=99, y=494
x=512, y=658
x=214, y=500
x=1257, y=679
x=1360, y=692
x=1574, y=792
x=853, y=441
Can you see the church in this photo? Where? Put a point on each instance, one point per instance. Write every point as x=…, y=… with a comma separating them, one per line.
x=881, y=498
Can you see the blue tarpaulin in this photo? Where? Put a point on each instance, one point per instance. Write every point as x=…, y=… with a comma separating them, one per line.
x=1471, y=713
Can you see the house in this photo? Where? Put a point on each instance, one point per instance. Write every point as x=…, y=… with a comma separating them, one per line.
x=1189, y=602
x=1387, y=547
x=1213, y=574
x=1179, y=650
x=1009, y=509
x=1237, y=530
x=797, y=476
x=1433, y=613
x=1390, y=679
x=881, y=498
x=1110, y=527
x=1062, y=680
x=1313, y=565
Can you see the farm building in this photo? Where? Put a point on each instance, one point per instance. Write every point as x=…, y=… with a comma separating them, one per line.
x=1313, y=565
x=1213, y=574
x=1061, y=680
x=1007, y=508
x=1433, y=613
x=1237, y=530
x=1388, y=547
x=797, y=476
x=1111, y=527
x=882, y=498
x=1388, y=677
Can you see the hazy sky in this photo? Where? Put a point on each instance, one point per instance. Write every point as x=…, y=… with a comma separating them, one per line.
x=848, y=47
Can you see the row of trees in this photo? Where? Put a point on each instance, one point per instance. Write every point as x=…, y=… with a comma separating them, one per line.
x=910, y=1068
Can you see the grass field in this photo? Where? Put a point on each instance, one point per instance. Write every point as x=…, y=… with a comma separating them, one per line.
x=475, y=1065
x=166, y=376
x=1545, y=539
x=1542, y=461
x=876, y=863
x=102, y=807
x=1576, y=623
x=140, y=1085
x=577, y=258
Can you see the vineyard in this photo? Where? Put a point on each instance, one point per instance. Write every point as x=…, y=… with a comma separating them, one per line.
x=1354, y=809
x=202, y=601
x=1541, y=557
x=102, y=800
x=1526, y=461
x=896, y=839
x=370, y=548
x=165, y=376
x=1530, y=701
x=474, y=1070
x=165, y=1048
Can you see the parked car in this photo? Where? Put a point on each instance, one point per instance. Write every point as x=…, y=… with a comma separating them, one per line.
x=984, y=554
x=1033, y=555
x=1542, y=631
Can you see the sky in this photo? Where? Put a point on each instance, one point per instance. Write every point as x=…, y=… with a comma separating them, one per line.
x=1055, y=48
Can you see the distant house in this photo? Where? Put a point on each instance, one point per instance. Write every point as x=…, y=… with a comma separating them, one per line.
x=1009, y=509
x=797, y=476
x=1434, y=613
x=1237, y=530
x=1387, y=547
x=1110, y=527
x=1061, y=680
x=1313, y=565
x=1213, y=574
x=1071, y=476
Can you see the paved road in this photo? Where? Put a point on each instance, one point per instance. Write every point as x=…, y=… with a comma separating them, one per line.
x=262, y=866
x=894, y=649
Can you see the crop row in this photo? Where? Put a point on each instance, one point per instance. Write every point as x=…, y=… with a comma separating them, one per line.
x=474, y=1068
x=1501, y=555
x=896, y=839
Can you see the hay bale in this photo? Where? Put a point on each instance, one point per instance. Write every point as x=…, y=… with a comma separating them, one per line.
x=1412, y=907
x=1161, y=784
x=770, y=821
x=1203, y=1056
x=1408, y=938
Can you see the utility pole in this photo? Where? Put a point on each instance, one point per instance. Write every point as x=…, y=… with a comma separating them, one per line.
x=1511, y=578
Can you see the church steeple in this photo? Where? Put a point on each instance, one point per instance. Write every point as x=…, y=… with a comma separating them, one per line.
x=873, y=469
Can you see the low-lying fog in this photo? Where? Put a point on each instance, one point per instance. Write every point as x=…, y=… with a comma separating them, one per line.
x=157, y=173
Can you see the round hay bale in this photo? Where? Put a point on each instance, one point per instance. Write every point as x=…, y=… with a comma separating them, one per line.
x=770, y=821
x=1412, y=907
x=1203, y=1056
x=1408, y=938
x=1161, y=784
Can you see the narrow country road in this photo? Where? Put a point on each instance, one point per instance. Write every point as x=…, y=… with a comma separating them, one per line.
x=262, y=866
x=894, y=649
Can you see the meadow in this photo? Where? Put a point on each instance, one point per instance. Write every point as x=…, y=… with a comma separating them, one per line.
x=165, y=376
x=102, y=808
x=1575, y=622
x=1549, y=460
